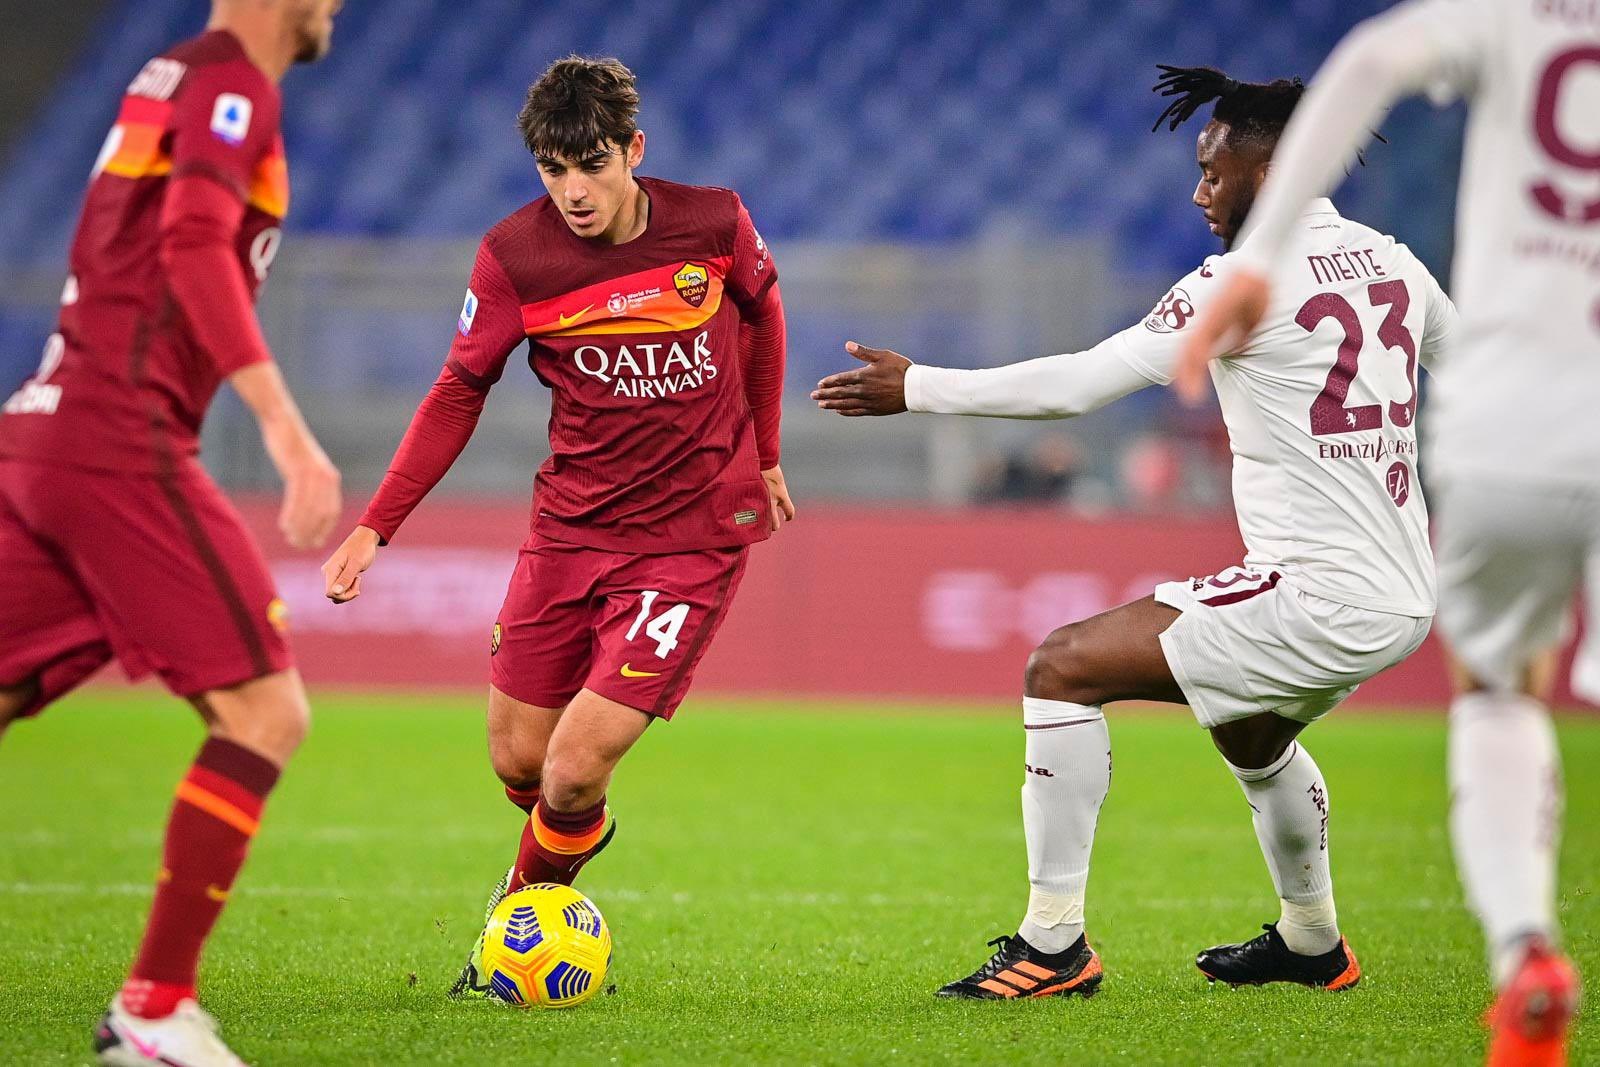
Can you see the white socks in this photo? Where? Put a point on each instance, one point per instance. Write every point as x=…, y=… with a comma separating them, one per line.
x=1290, y=802
x=1068, y=776
x=1505, y=817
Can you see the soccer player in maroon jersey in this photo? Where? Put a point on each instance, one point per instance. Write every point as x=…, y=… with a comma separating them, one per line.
x=651, y=310
x=113, y=540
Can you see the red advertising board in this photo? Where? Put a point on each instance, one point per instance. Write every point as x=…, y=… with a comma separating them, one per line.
x=913, y=603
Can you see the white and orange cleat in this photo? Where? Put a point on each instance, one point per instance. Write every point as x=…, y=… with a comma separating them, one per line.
x=1530, y=1020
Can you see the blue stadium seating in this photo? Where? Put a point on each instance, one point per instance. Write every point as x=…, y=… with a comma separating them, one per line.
x=914, y=120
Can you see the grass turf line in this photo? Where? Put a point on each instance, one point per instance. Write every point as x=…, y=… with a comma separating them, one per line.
x=789, y=884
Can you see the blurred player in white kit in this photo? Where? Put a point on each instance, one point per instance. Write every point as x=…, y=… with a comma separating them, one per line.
x=1513, y=441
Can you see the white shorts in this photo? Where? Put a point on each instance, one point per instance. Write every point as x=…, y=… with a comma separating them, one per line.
x=1248, y=641
x=1512, y=560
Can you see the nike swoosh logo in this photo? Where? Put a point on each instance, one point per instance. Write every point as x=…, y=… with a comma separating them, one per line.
x=563, y=321
x=629, y=672
x=151, y=1051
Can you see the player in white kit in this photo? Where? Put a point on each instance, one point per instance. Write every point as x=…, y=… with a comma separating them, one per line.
x=1336, y=585
x=1513, y=443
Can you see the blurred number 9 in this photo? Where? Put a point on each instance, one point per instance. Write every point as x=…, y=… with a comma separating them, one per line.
x=1547, y=128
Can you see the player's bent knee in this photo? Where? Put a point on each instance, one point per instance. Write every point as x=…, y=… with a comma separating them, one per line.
x=1056, y=670
x=270, y=715
x=14, y=699
x=522, y=771
x=572, y=781
x=1256, y=742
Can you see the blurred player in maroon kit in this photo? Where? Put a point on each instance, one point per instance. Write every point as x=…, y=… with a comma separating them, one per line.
x=652, y=313
x=113, y=540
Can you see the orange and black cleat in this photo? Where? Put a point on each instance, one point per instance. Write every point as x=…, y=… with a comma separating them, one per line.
x=1529, y=1021
x=1018, y=970
x=1267, y=959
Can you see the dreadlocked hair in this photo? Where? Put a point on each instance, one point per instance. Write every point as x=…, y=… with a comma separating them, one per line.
x=579, y=105
x=1255, y=111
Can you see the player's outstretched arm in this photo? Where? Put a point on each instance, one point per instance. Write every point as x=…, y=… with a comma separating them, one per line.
x=879, y=388
x=1386, y=58
x=1052, y=387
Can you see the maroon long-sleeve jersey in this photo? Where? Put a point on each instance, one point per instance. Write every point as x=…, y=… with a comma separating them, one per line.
x=127, y=378
x=664, y=358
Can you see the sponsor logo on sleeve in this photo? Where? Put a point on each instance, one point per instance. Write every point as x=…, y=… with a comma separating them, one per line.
x=469, y=311
x=761, y=255
x=1172, y=314
x=692, y=281
x=230, y=118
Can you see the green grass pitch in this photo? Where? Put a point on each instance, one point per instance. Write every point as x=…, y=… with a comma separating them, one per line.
x=788, y=885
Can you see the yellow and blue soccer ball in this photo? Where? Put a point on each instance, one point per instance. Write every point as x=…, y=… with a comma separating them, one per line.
x=546, y=946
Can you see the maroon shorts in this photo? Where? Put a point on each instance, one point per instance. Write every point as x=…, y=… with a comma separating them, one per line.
x=629, y=627
x=156, y=570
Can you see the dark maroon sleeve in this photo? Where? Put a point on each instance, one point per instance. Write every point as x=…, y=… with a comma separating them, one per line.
x=752, y=271
x=489, y=327
x=199, y=224
x=439, y=431
x=762, y=348
x=224, y=120
x=488, y=330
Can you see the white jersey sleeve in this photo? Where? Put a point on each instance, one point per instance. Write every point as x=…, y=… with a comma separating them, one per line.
x=1073, y=383
x=1433, y=45
x=1441, y=329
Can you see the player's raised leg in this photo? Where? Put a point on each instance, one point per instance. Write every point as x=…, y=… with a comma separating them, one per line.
x=253, y=730
x=556, y=764
x=571, y=823
x=1113, y=656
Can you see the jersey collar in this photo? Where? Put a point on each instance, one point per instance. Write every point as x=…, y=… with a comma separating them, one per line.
x=1319, y=206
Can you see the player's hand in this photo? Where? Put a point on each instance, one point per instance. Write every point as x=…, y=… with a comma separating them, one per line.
x=311, y=500
x=879, y=388
x=782, y=507
x=1223, y=326
x=341, y=575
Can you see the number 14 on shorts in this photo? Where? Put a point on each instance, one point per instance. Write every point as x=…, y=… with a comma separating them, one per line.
x=663, y=628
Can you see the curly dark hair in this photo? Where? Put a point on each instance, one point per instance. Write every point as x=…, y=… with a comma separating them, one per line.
x=580, y=105
x=1255, y=112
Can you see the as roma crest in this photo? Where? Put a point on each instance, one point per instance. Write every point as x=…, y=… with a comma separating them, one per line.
x=494, y=640
x=692, y=282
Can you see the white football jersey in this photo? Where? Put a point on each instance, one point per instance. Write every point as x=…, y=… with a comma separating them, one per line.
x=1321, y=409
x=1521, y=396
x=1518, y=401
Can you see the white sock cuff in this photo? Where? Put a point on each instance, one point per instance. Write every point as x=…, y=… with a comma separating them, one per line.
x=1247, y=774
x=1041, y=714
